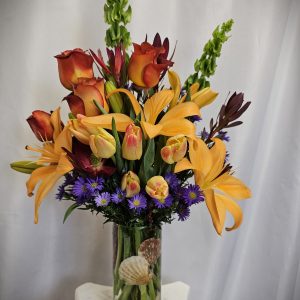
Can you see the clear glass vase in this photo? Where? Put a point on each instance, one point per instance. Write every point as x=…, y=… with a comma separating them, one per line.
x=137, y=263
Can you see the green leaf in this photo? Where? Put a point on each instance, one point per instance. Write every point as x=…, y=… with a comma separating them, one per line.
x=69, y=211
x=147, y=169
x=118, y=155
x=100, y=107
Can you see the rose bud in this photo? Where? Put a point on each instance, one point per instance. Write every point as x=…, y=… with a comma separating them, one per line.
x=76, y=105
x=144, y=68
x=89, y=90
x=72, y=65
x=40, y=123
x=131, y=184
x=175, y=149
x=132, y=146
x=157, y=188
x=103, y=144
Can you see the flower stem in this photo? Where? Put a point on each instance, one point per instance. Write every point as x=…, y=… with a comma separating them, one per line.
x=118, y=260
x=143, y=290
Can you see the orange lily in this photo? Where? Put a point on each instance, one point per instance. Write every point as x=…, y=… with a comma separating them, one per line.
x=174, y=122
x=54, y=162
x=202, y=98
x=218, y=185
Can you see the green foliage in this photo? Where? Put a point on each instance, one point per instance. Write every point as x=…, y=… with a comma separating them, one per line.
x=117, y=13
x=146, y=168
x=69, y=211
x=206, y=65
x=24, y=166
x=118, y=156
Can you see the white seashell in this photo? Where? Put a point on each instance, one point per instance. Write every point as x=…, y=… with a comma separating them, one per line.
x=135, y=270
x=150, y=249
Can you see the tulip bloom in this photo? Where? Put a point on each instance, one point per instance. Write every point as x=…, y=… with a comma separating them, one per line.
x=132, y=147
x=146, y=64
x=131, y=184
x=72, y=65
x=157, y=188
x=40, y=123
x=102, y=144
x=88, y=90
x=212, y=177
x=175, y=149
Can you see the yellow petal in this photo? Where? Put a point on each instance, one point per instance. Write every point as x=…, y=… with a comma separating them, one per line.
x=151, y=130
x=175, y=85
x=156, y=104
x=105, y=121
x=235, y=211
x=135, y=104
x=212, y=208
x=234, y=188
x=56, y=123
x=204, y=97
x=181, y=111
x=64, y=165
x=194, y=88
x=183, y=165
x=37, y=175
x=63, y=140
x=200, y=155
x=180, y=126
x=221, y=210
x=218, y=153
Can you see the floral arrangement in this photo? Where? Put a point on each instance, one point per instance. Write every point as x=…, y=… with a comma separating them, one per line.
x=133, y=147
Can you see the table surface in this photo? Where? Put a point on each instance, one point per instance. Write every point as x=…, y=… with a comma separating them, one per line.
x=91, y=291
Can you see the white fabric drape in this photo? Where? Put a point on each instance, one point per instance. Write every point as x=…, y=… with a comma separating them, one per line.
x=259, y=261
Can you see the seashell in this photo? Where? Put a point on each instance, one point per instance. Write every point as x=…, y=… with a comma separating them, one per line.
x=135, y=270
x=150, y=249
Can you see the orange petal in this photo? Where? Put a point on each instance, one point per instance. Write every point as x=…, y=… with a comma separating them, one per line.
x=151, y=130
x=234, y=188
x=63, y=140
x=156, y=104
x=213, y=210
x=183, y=165
x=175, y=127
x=56, y=123
x=105, y=121
x=176, y=86
x=204, y=97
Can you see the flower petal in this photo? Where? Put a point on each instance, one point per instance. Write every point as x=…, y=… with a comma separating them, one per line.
x=156, y=104
x=151, y=130
x=56, y=123
x=213, y=210
x=176, y=86
x=204, y=97
x=175, y=127
x=183, y=165
x=105, y=121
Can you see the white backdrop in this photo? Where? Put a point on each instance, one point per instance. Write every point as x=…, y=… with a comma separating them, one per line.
x=259, y=261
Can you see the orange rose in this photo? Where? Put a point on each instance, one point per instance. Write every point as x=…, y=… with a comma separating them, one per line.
x=72, y=65
x=89, y=90
x=148, y=62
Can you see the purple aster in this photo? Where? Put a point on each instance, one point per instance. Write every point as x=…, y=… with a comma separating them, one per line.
x=138, y=202
x=172, y=180
x=60, y=192
x=192, y=194
x=162, y=203
x=118, y=196
x=204, y=134
x=183, y=213
x=80, y=189
x=103, y=199
x=222, y=135
x=94, y=184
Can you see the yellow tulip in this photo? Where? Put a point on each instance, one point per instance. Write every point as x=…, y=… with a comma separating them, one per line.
x=53, y=160
x=131, y=184
x=157, y=188
x=218, y=185
x=175, y=149
x=103, y=144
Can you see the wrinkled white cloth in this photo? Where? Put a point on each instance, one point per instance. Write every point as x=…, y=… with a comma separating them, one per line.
x=91, y=291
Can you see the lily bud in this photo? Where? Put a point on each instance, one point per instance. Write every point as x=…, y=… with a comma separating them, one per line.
x=40, y=123
x=115, y=101
x=24, y=166
x=157, y=188
x=103, y=144
x=204, y=97
x=72, y=65
x=131, y=184
x=132, y=147
x=175, y=149
x=79, y=131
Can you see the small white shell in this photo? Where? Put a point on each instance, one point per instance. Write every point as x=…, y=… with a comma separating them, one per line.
x=150, y=249
x=134, y=270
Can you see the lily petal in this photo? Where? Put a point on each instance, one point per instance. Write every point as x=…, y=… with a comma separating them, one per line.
x=151, y=130
x=56, y=123
x=176, y=86
x=64, y=140
x=183, y=165
x=204, y=97
x=178, y=126
x=212, y=208
x=156, y=104
x=105, y=121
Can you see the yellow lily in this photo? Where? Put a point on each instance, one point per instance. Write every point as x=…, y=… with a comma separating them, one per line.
x=202, y=98
x=218, y=185
x=174, y=121
x=54, y=162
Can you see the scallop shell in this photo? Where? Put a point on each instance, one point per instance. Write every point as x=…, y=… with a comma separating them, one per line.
x=150, y=249
x=135, y=270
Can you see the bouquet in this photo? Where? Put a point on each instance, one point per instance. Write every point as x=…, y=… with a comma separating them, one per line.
x=133, y=148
